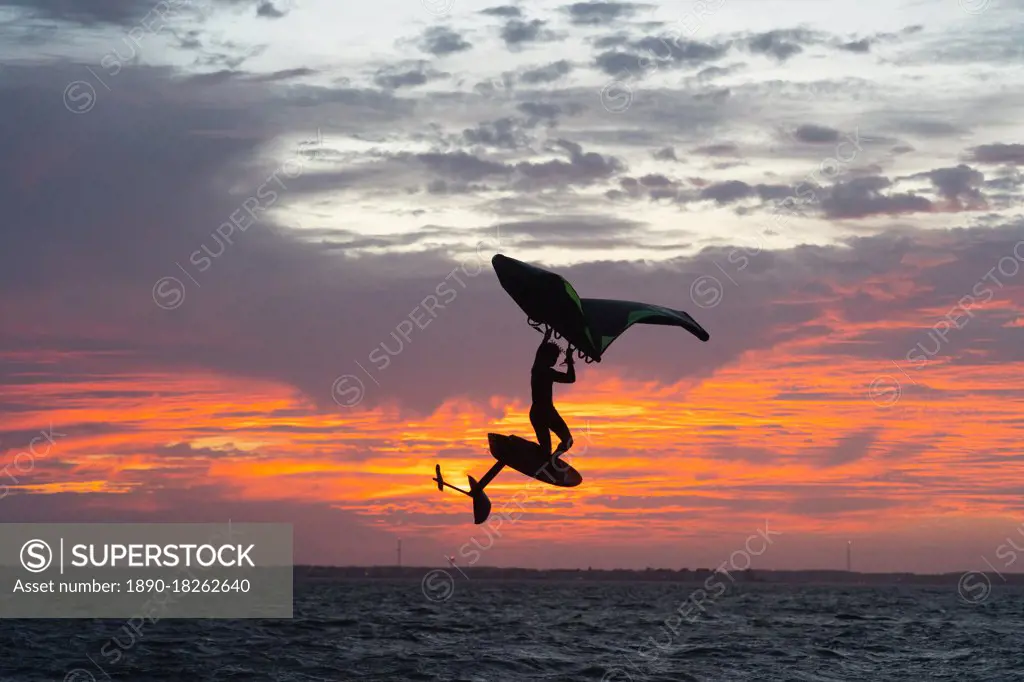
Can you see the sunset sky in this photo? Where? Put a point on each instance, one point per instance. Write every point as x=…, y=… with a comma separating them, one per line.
x=832, y=189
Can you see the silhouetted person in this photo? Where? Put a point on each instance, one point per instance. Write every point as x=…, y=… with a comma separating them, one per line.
x=543, y=414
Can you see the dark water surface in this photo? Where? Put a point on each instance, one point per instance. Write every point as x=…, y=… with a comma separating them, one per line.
x=506, y=631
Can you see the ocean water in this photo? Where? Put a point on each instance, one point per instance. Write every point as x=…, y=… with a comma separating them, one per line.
x=496, y=631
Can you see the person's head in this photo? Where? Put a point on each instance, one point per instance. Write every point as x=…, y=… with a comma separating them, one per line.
x=547, y=354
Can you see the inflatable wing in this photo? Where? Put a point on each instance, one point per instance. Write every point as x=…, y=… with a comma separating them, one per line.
x=608, y=319
x=589, y=324
x=547, y=299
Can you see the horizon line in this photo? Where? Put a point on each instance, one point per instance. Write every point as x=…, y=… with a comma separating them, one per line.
x=653, y=570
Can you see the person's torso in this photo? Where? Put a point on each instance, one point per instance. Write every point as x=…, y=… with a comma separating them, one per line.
x=541, y=386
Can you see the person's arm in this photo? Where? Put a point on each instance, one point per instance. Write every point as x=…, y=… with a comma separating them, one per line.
x=569, y=376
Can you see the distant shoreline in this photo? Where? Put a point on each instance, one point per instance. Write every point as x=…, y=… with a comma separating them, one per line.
x=801, y=577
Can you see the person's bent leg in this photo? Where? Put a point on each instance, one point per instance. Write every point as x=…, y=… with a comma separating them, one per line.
x=561, y=430
x=540, y=427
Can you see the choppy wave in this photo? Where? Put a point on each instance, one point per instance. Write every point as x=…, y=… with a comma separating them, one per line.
x=507, y=631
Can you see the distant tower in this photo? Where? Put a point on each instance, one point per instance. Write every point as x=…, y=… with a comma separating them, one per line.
x=849, y=560
x=399, y=552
